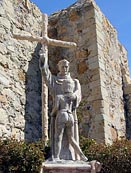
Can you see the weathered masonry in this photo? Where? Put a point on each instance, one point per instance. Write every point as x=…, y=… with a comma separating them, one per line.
x=99, y=62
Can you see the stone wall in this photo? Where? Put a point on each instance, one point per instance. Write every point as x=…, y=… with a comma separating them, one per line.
x=20, y=80
x=126, y=91
x=77, y=24
x=100, y=64
x=109, y=55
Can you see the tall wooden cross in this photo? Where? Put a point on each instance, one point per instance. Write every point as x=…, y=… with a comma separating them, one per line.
x=45, y=41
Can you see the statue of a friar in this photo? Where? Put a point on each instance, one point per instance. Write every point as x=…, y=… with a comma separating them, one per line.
x=66, y=93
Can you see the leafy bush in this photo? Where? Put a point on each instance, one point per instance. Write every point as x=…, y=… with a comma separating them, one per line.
x=85, y=143
x=115, y=158
x=18, y=156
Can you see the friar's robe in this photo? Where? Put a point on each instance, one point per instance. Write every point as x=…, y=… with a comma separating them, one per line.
x=55, y=88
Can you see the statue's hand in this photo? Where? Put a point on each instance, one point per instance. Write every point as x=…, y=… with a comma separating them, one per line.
x=43, y=56
x=71, y=96
x=41, y=53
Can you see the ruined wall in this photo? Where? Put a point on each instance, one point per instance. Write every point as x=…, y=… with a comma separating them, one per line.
x=77, y=23
x=109, y=55
x=20, y=80
x=98, y=62
x=126, y=91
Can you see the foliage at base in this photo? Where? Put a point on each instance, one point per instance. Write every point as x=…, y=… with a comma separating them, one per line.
x=115, y=158
x=20, y=157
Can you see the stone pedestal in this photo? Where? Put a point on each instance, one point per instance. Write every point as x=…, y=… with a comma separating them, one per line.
x=70, y=167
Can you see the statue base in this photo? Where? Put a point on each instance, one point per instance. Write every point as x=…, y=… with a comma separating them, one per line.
x=66, y=166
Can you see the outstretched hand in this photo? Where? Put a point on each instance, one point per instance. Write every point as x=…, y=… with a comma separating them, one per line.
x=43, y=56
x=41, y=52
x=71, y=96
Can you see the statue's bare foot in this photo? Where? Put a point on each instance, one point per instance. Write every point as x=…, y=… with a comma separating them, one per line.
x=57, y=159
x=84, y=158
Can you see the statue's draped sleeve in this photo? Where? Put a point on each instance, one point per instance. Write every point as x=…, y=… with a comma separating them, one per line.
x=77, y=93
x=49, y=78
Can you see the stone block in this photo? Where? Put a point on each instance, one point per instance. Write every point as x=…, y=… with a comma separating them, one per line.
x=2, y=33
x=95, y=97
x=8, y=7
x=17, y=133
x=93, y=49
x=3, y=99
x=3, y=49
x=4, y=80
x=36, y=11
x=11, y=48
x=4, y=22
x=92, y=59
x=74, y=15
x=96, y=77
x=68, y=166
x=102, y=65
x=98, y=103
x=99, y=137
x=2, y=11
x=84, y=53
x=94, y=72
x=127, y=89
x=96, y=91
x=89, y=14
x=94, y=65
x=3, y=116
x=127, y=79
x=21, y=75
x=9, y=93
x=101, y=38
x=94, y=84
x=82, y=67
x=104, y=92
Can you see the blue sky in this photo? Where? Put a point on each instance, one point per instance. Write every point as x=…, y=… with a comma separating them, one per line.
x=117, y=11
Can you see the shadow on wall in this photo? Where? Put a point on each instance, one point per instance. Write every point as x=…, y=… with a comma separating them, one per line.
x=127, y=118
x=33, y=99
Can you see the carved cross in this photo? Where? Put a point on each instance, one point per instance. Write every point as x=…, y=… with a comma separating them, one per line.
x=45, y=41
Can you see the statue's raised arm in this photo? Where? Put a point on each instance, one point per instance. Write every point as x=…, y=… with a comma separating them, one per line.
x=44, y=67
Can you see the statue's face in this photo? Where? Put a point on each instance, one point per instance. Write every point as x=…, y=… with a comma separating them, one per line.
x=63, y=68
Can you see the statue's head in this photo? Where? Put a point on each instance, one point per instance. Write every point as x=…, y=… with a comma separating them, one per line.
x=68, y=86
x=63, y=67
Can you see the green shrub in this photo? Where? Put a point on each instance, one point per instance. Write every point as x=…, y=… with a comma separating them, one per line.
x=85, y=143
x=18, y=156
x=115, y=158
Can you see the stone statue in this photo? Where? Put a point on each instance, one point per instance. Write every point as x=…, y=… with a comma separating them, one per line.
x=66, y=94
